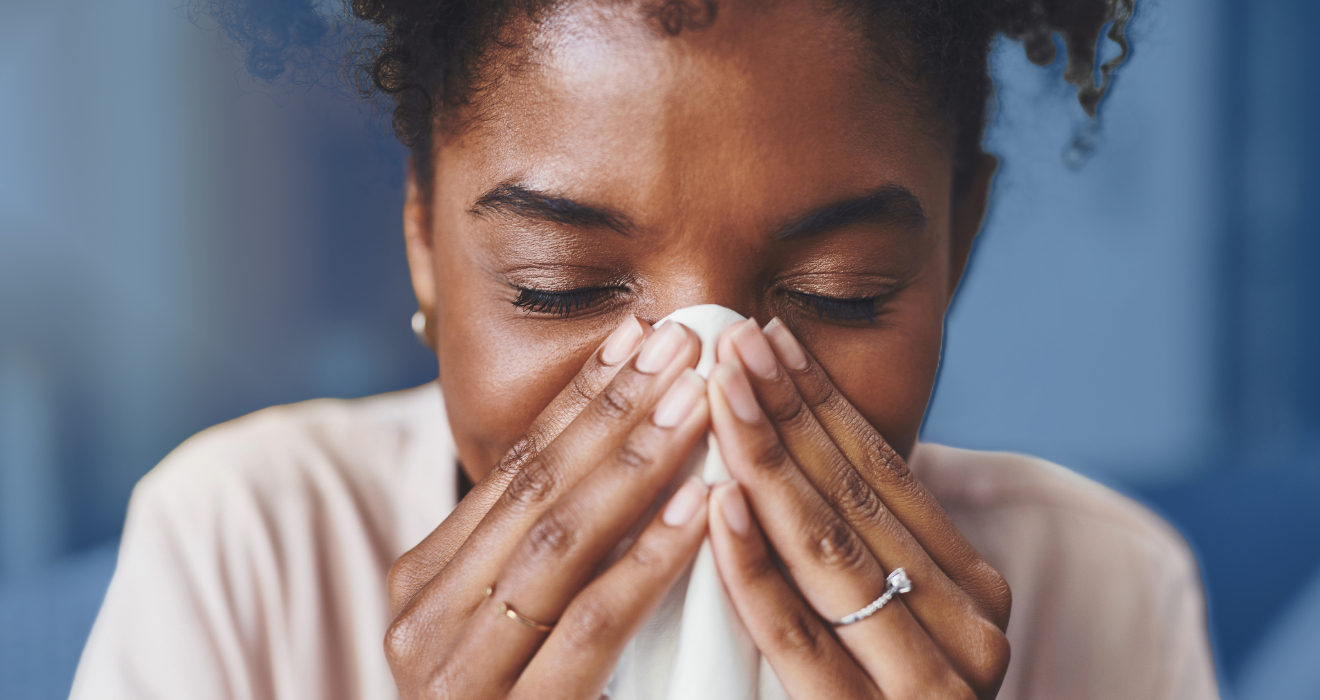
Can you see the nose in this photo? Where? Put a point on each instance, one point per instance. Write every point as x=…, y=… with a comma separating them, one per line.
x=707, y=321
x=723, y=288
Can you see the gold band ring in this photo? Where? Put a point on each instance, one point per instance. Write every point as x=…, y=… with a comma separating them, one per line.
x=512, y=614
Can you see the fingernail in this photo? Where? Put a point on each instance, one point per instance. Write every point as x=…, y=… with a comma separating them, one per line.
x=737, y=392
x=755, y=351
x=786, y=346
x=660, y=349
x=734, y=509
x=684, y=503
x=679, y=400
x=621, y=343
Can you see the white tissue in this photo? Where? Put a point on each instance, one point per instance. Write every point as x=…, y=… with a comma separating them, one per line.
x=707, y=321
x=694, y=647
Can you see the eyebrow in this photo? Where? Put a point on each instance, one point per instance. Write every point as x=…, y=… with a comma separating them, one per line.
x=526, y=203
x=892, y=204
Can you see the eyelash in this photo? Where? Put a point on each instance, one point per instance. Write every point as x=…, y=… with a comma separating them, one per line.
x=563, y=304
x=844, y=310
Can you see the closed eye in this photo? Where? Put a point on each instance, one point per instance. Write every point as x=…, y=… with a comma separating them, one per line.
x=846, y=310
x=561, y=304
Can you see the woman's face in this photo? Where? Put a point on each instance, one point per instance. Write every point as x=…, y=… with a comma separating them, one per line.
x=756, y=163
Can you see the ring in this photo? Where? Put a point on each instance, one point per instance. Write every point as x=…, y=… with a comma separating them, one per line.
x=896, y=582
x=512, y=614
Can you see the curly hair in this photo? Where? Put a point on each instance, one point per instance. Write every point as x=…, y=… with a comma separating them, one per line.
x=427, y=56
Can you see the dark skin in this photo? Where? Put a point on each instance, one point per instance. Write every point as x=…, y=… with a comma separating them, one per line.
x=759, y=164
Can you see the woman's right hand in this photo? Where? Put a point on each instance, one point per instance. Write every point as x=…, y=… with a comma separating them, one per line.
x=537, y=527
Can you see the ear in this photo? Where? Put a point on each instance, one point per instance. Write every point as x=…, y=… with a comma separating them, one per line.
x=968, y=215
x=419, y=241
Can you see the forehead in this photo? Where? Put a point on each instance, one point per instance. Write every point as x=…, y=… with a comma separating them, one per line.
x=770, y=106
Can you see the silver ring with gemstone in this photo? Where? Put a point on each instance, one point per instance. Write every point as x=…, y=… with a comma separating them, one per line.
x=896, y=582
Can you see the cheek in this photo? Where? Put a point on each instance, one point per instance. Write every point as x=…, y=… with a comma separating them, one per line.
x=496, y=380
x=889, y=382
x=893, y=396
x=498, y=370
x=887, y=373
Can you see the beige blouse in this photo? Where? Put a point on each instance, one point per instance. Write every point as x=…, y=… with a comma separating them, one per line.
x=254, y=558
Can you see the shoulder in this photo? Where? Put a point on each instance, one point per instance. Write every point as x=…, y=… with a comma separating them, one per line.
x=331, y=455
x=1107, y=596
x=279, y=447
x=1007, y=487
x=317, y=497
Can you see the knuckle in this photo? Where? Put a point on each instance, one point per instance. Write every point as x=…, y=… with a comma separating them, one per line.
x=770, y=455
x=818, y=392
x=988, y=588
x=882, y=459
x=613, y=402
x=799, y=635
x=522, y=451
x=800, y=421
x=999, y=597
x=634, y=455
x=400, y=641
x=583, y=389
x=553, y=534
x=646, y=555
x=835, y=545
x=535, y=484
x=990, y=662
x=590, y=621
x=857, y=498
x=757, y=568
x=400, y=581
x=786, y=410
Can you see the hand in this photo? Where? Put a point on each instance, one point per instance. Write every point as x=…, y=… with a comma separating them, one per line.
x=538, y=526
x=840, y=509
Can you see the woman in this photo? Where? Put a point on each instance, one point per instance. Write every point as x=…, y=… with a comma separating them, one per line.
x=579, y=170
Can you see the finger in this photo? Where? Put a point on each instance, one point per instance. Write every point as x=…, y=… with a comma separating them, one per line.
x=425, y=621
x=806, y=657
x=563, y=548
x=825, y=557
x=953, y=619
x=597, y=432
x=581, y=653
x=417, y=567
x=888, y=474
x=835, y=571
x=566, y=544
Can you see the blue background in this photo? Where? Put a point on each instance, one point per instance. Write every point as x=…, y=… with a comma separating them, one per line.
x=179, y=246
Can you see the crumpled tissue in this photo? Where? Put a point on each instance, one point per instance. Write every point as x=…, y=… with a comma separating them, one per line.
x=694, y=647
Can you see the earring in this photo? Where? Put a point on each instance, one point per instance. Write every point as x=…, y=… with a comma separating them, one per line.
x=419, y=328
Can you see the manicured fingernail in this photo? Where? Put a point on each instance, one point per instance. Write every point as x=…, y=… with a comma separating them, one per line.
x=679, y=400
x=684, y=503
x=754, y=350
x=737, y=392
x=621, y=343
x=786, y=346
x=734, y=509
x=659, y=350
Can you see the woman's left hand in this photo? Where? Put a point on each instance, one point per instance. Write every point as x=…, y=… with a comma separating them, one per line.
x=841, y=510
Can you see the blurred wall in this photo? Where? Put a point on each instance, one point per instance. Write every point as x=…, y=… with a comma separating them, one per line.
x=1083, y=332
x=1150, y=318
x=179, y=246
